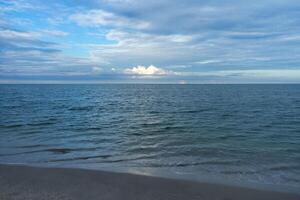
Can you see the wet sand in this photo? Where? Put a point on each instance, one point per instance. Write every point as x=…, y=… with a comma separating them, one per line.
x=34, y=183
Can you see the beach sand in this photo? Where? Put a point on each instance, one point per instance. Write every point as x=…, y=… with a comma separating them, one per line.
x=34, y=183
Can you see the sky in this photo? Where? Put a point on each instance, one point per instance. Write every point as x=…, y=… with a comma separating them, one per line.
x=142, y=41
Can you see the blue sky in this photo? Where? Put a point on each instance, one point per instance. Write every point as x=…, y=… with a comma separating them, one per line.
x=141, y=41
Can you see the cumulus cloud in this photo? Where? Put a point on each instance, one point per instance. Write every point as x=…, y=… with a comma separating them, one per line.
x=212, y=39
x=146, y=71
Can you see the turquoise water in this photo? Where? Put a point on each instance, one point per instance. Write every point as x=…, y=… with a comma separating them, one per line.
x=249, y=133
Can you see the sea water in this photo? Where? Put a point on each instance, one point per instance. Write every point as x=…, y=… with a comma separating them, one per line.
x=249, y=133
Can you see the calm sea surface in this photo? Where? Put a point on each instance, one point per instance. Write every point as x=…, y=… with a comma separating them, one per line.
x=248, y=133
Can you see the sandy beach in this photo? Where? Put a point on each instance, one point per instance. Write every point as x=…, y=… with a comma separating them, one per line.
x=23, y=182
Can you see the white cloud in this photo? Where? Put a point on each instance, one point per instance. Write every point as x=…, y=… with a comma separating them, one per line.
x=182, y=82
x=30, y=36
x=180, y=38
x=178, y=66
x=10, y=34
x=133, y=48
x=142, y=70
x=54, y=21
x=196, y=39
x=274, y=73
x=97, y=70
x=103, y=18
x=254, y=74
x=55, y=33
x=117, y=1
x=204, y=62
x=290, y=38
x=18, y=5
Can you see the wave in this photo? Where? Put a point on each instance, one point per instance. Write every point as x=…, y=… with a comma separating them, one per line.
x=41, y=123
x=187, y=164
x=105, y=157
x=32, y=124
x=79, y=158
x=52, y=150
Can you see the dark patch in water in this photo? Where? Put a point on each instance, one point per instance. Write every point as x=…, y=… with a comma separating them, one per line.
x=239, y=172
x=81, y=108
x=61, y=150
x=284, y=168
x=41, y=123
x=12, y=126
x=80, y=158
x=31, y=146
x=224, y=137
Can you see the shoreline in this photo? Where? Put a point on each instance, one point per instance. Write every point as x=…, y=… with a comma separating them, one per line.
x=27, y=182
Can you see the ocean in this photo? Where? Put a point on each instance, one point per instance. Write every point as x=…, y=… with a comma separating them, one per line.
x=243, y=133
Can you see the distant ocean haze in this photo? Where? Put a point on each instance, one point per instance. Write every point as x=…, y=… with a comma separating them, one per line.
x=248, y=133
